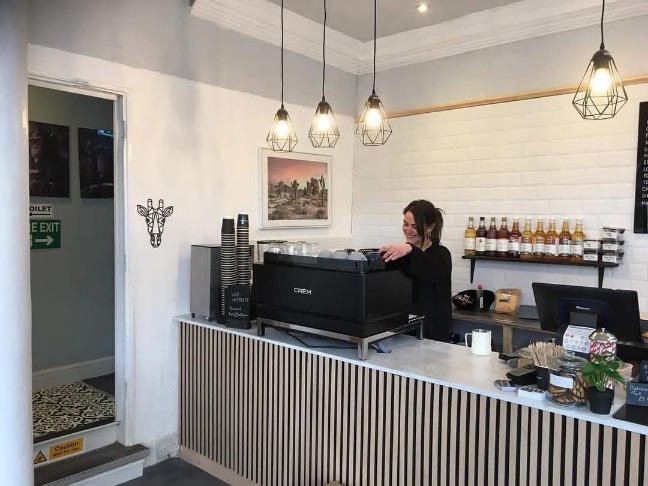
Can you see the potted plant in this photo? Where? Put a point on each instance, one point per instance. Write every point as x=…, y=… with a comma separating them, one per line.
x=598, y=372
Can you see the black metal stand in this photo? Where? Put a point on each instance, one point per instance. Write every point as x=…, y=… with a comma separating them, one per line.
x=414, y=323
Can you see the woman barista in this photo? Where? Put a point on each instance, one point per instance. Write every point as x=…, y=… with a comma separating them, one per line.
x=428, y=264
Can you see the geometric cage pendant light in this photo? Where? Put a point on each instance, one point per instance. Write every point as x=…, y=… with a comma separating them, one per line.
x=601, y=93
x=373, y=128
x=282, y=137
x=324, y=131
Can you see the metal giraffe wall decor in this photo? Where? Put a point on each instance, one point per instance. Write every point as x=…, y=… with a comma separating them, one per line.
x=155, y=219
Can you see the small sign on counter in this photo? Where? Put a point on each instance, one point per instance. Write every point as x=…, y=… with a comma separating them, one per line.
x=576, y=339
x=237, y=306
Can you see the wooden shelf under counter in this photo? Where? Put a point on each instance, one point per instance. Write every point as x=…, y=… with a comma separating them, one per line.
x=601, y=266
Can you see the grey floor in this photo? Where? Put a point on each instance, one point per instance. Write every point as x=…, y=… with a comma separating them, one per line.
x=175, y=472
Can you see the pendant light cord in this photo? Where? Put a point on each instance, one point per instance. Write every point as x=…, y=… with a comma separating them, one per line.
x=373, y=90
x=602, y=13
x=324, y=52
x=282, y=53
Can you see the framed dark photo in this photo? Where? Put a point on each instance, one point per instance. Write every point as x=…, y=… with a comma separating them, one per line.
x=49, y=160
x=296, y=190
x=96, y=163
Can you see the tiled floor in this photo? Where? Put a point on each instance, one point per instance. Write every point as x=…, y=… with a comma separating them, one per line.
x=175, y=472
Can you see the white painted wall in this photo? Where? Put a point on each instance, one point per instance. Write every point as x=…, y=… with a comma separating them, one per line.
x=195, y=146
x=527, y=158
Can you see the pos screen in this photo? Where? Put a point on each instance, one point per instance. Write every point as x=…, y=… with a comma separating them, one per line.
x=561, y=305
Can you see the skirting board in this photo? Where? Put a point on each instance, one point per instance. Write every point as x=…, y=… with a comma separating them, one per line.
x=62, y=375
x=217, y=470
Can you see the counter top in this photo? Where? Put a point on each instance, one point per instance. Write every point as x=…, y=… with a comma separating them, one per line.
x=435, y=362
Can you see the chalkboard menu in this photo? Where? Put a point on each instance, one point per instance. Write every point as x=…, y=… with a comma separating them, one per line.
x=641, y=191
x=637, y=394
x=237, y=307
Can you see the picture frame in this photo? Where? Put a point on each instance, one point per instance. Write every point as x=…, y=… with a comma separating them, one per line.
x=96, y=163
x=295, y=190
x=49, y=160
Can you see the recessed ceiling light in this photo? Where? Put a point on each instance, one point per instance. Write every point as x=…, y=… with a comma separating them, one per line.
x=423, y=7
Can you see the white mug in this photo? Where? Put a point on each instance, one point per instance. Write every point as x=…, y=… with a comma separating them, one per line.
x=481, y=342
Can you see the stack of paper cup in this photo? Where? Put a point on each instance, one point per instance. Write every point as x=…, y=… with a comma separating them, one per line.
x=243, y=263
x=228, y=259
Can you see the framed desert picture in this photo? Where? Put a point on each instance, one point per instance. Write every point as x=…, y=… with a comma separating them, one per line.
x=296, y=190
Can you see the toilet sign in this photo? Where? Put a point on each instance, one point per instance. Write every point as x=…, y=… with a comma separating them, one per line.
x=40, y=211
x=44, y=233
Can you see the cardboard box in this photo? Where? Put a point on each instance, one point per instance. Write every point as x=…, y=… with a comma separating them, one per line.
x=610, y=233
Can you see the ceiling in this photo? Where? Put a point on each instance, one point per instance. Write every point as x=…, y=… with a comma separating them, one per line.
x=355, y=17
x=405, y=36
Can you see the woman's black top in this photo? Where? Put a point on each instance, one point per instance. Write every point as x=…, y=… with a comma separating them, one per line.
x=431, y=271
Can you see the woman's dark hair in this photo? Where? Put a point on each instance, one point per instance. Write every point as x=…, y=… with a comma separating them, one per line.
x=425, y=214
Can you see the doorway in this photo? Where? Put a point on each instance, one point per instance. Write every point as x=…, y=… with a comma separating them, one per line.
x=75, y=193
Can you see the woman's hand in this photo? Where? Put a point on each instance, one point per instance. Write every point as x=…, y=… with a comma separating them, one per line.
x=390, y=253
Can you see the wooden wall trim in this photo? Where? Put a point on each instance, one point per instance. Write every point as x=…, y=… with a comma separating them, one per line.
x=530, y=95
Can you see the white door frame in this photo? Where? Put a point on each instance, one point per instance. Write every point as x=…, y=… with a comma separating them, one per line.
x=124, y=342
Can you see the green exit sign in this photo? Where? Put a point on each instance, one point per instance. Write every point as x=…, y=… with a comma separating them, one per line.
x=44, y=233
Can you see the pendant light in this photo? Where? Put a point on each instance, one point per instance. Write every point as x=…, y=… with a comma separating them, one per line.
x=601, y=93
x=373, y=127
x=324, y=131
x=282, y=137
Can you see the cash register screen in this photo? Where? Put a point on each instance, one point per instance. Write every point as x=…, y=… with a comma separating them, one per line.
x=561, y=305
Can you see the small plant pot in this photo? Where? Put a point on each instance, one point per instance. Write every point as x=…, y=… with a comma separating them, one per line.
x=600, y=402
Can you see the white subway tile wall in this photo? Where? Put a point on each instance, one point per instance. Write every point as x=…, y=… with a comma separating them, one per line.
x=534, y=158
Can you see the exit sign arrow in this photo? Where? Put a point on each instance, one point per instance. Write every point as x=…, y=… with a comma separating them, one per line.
x=48, y=241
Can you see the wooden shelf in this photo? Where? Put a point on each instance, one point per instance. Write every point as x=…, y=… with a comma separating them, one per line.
x=600, y=265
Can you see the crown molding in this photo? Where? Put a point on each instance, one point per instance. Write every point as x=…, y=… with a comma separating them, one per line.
x=262, y=20
x=515, y=22
x=510, y=23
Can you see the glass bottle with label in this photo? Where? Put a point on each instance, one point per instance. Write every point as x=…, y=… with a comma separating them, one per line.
x=480, y=239
x=491, y=238
x=503, y=238
x=551, y=241
x=577, y=242
x=526, y=240
x=564, y=240
x=539, y=240
x=514, y=240
x=470, y=236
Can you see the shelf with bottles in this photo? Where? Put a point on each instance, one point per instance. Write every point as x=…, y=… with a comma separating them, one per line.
x=551, y=247
x=558, y=261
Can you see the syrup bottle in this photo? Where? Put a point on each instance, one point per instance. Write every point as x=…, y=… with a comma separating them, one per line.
x=577, y=241
x=526, y=240
x=539, y=240
x=503, y=239
x=480, y=239
x=551, y=241
x=470, y=236
x=514, y=240
x=564, y=240
x=491, y=238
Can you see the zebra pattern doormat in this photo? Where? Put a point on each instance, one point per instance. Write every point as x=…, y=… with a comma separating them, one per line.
x=67, y=409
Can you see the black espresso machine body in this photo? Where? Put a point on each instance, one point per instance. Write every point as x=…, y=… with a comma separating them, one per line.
x=355, y=298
